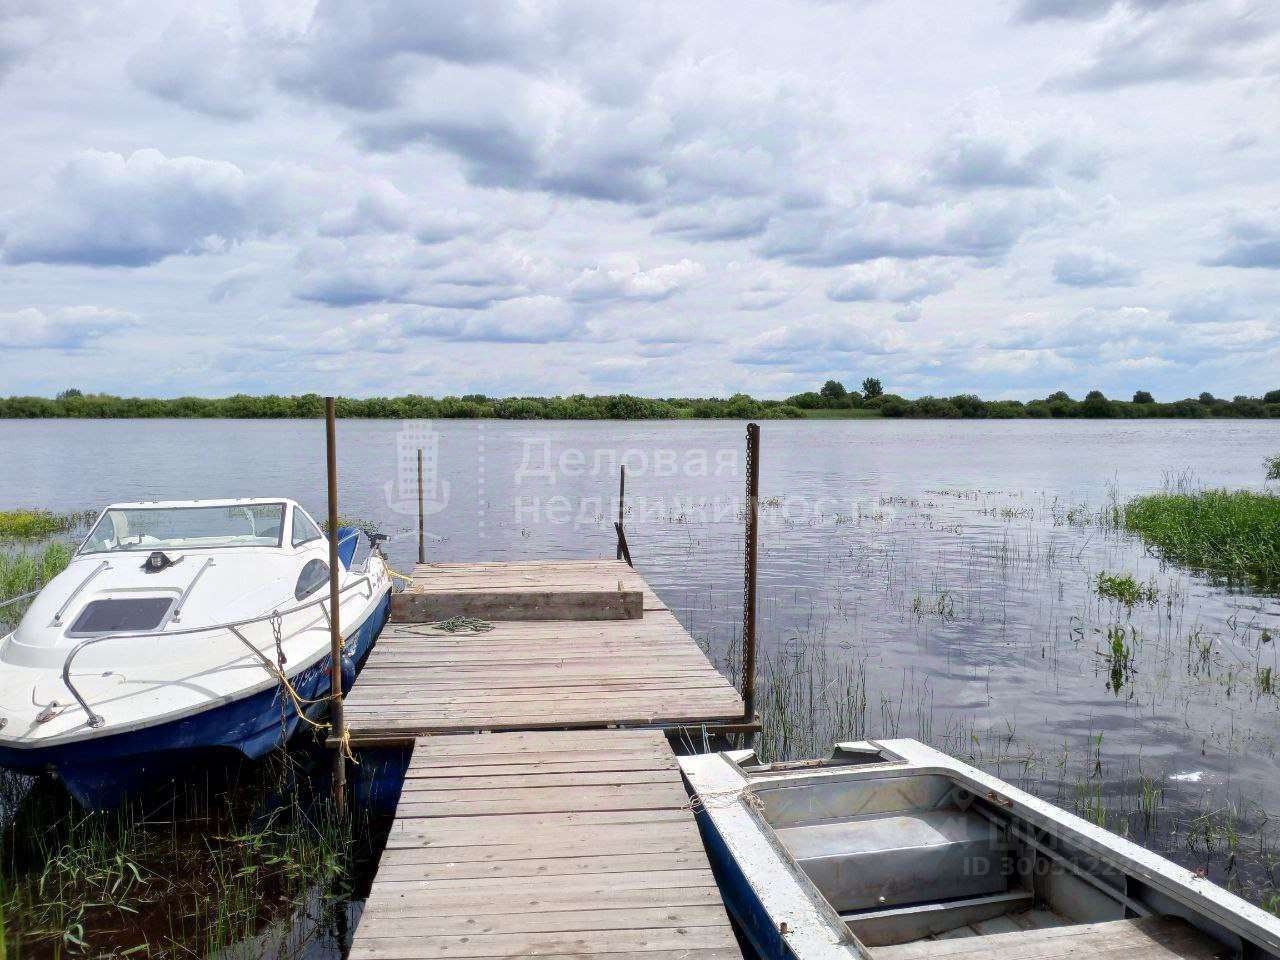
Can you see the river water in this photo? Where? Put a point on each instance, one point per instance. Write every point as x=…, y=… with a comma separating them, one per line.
x=917, y=578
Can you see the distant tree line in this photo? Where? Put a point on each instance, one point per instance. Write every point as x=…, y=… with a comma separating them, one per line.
x=832, y=396
x=74, y=403
x=1095, y=404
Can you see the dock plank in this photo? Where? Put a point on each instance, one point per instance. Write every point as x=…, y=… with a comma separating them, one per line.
x=591, y=861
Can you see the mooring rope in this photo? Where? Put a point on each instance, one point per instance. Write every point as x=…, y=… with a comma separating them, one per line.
x=300, y=703
x=396, y=573
x=718, y=799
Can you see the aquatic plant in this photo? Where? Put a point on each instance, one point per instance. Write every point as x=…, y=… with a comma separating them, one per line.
x=38, y=524
x=943, y=606
x=1273, y=467
x=205, y=871
x=1150, y=797
x=1123, y=588
x=1119, y=654
x=1234, y=533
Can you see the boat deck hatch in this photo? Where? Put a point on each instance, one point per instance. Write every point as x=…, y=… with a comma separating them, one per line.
x=120, y=615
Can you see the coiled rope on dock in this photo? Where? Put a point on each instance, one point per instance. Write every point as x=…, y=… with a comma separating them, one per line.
x=449, y=625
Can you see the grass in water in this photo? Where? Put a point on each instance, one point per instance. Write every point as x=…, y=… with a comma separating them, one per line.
x=1123, y=588
x=37, y=524
x=1235, y=533
x=203, y=873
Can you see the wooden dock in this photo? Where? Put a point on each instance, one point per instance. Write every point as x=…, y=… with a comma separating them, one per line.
x=532, y=822
x=548, y=844
x=566, y=651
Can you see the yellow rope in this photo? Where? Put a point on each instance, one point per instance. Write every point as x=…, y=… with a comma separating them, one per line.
x=344, y=744
x=395, y=573
x=344, y=741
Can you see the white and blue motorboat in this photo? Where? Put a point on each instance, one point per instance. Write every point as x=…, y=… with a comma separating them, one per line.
x=181, y=626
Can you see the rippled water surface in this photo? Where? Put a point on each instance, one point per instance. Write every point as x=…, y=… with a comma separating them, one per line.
x=928, y=579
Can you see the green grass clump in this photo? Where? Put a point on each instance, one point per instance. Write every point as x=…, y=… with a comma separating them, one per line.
x=25, y=571
x=35, y=524
x=1123, y=588
x=1235, y=533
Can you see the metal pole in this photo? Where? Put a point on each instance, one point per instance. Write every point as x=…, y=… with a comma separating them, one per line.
x=622, y=499
x=422, y=543
x=336, y=718
x=751, y=551
x=622, y=544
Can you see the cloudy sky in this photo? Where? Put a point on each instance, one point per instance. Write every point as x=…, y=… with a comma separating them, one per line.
x=684, y=198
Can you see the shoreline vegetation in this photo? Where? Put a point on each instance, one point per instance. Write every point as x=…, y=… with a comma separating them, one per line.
x=1232, y=533
x=832, y=401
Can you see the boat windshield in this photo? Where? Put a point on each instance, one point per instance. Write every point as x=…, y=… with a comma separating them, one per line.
x=187, y=528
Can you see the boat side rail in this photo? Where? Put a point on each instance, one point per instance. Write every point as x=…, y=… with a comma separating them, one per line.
x=95, y=720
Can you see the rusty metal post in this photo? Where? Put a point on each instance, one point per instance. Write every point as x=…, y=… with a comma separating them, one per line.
x=623, y=549
x=751, y=537
x=622, y=499
x=422, y=541
x=336, y=718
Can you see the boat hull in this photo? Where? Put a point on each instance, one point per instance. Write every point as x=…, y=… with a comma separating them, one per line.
x=740, y=900
x=100, y=772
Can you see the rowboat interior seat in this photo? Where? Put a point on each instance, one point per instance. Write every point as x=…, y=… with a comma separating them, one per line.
x=918, y=867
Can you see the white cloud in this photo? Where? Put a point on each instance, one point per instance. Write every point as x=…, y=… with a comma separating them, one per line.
x=105, y=209
x=767, y=292
x=1155, y=42
x=1093, y=268
x=203, y=65
x=70, y=328
x=892, y=280
x=623, y=279
x=1251, y=240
